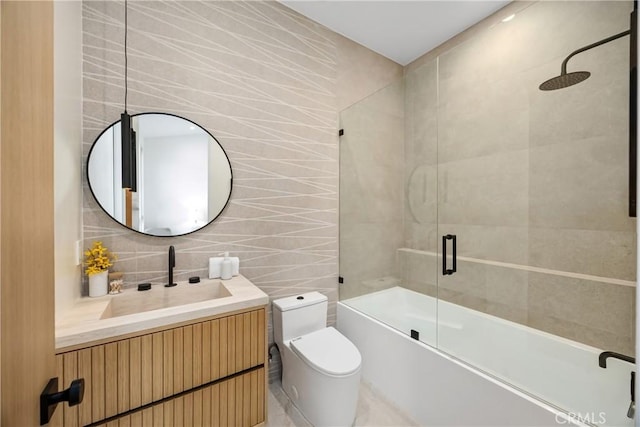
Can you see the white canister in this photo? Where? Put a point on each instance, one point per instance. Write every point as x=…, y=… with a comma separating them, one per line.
x=226, y=268
x=98, y=284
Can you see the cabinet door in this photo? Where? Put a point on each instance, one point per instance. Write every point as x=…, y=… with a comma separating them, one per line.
x=237, y=401
x=128, y=374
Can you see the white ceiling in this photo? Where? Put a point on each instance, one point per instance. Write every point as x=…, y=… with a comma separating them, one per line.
x=400, y=30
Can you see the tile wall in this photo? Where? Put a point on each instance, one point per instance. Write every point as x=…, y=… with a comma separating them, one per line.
x=534, y=184
x=531, y=178
x=371, y=180
x=268, y=83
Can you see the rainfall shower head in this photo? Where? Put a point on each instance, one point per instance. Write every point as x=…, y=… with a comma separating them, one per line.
x=565, y=80
x=569, y=79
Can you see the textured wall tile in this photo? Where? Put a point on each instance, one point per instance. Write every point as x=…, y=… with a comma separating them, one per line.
x=368, y=252
x=419, y=272
x=262, y=80
x=581, y=184
x=523, y=176
x=492, y=190
x=595, y=313
x=600, y=253
x=371, y=72
x=371, y=182
x=500, y=125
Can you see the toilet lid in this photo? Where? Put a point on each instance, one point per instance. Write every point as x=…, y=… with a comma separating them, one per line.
x=328, y=351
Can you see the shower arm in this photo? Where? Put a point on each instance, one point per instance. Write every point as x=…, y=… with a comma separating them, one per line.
x=591, y=46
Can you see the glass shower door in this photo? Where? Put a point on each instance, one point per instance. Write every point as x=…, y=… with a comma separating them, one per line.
x=375, y=246
x=533, y=185
x=418, y=257
x=483, y=203
x=388, y=205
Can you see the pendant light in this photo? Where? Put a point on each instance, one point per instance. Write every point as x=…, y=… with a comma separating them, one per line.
x=128, y=145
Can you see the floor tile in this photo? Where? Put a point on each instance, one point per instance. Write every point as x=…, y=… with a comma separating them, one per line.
x=373, y=410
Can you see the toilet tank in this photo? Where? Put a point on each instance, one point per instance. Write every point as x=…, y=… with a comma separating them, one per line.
x=298, y=315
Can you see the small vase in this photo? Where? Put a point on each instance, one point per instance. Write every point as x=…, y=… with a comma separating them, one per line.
x=98, y=284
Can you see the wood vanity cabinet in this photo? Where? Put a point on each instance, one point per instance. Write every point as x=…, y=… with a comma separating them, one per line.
x=209, y=373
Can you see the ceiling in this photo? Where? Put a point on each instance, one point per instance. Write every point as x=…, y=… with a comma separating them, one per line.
x=400, y=30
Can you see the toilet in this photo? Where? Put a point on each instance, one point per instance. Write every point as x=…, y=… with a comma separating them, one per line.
x=321, y=367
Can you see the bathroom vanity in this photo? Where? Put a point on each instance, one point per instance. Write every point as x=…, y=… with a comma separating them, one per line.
x=191, y=355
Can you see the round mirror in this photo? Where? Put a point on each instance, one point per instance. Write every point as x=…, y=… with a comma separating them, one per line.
x=179, y=177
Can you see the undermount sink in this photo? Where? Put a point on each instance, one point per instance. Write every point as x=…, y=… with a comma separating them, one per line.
x=158, y=297
x=92, y=320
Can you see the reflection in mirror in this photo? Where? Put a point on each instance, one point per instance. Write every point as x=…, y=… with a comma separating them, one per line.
x=183, y=176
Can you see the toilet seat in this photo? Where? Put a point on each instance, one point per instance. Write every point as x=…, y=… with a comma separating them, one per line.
x=328, y=351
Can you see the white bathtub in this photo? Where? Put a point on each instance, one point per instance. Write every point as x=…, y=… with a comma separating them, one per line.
x=437, y=389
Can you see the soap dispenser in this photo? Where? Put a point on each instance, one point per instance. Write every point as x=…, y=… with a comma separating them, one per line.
x=226, y=269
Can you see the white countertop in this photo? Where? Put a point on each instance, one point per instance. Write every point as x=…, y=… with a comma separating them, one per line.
x=83, y=323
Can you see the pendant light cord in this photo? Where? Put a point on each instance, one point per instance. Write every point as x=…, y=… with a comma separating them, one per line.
x=126, y=64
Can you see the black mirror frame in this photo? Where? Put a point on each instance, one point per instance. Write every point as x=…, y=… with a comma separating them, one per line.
x=142, y=232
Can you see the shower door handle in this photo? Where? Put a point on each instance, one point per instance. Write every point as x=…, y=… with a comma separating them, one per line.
x=448, y=271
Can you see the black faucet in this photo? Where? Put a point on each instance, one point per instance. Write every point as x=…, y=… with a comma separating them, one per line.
x=172, y=264
x=602, y=359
